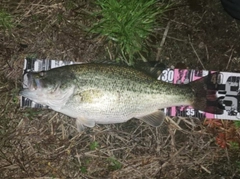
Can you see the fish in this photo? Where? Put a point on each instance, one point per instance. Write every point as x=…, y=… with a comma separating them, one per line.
x=101, y=93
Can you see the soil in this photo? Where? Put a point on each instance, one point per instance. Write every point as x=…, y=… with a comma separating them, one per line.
x=213, y=34
x=36, y=143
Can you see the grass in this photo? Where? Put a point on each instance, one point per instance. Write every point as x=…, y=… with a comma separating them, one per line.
x=114, y=164
x=45, y=144
x=94, y=145
x=237, y=124
x=6, y=20
x=127, y=25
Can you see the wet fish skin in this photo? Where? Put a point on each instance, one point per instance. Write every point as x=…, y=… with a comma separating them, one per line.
x=106, y=93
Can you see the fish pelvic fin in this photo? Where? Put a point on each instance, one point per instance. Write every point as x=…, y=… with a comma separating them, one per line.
x=79, y=125
x=205, y=98
x=154, y=119
x=82, y=122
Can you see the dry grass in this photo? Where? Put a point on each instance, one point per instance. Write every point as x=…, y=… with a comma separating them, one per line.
x=51, y=147
x=44, y=144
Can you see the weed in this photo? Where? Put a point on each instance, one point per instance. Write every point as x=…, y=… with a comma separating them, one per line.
x=32, y=56
x=234, y=145
x=226, y=132
x=31, y=114
x=6, y=21
x=94, y=145
x=70, y=4
x=238, y=165
x=127, y=25
x=114, y=164
x=83, y=169
x=237, y=124
x=14, y=93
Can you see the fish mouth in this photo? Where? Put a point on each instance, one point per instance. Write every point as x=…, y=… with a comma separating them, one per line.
x=30, y=83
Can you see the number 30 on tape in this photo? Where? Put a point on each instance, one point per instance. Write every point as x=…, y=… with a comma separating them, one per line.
x=167, y=75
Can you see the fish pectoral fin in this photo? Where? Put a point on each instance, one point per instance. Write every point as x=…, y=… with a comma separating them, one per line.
x=80, y=126
x=80, y=121
x=154, y=119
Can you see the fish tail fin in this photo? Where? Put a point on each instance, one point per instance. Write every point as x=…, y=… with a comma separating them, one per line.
x=205, y=98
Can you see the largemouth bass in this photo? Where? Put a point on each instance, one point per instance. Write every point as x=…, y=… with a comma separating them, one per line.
x=107, y=93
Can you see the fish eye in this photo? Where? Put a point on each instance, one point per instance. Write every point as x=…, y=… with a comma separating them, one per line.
x=42, y=73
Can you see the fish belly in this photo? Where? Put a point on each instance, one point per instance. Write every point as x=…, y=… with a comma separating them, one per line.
x=117, y=107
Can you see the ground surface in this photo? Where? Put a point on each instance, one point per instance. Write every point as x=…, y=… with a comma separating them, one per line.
x=42, y=143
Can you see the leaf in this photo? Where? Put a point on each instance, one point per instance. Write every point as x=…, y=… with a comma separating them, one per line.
x=221, y=140
x=213, y=123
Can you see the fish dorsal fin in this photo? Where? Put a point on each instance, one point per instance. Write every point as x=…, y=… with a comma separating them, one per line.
x=152, y=68
x=154, y=119
x=109, y=62
x=85, y=122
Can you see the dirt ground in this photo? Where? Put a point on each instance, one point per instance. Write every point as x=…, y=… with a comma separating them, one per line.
x=37, y=143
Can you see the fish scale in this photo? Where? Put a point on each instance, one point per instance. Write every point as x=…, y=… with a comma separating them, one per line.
x=107, y=93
